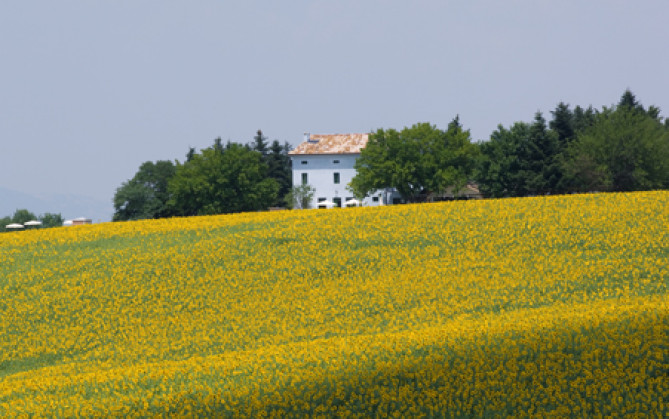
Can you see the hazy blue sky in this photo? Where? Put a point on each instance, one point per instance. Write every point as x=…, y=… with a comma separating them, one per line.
x=91, y=89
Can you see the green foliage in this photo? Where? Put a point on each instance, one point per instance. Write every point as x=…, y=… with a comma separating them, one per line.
x=541, y=150
x=260, y=143
x=499, y=168
x=419, y=162
x=583, y=118
x=563, y=123
x=23, y=215
x=5, y=221
x=134, y=201
x=279, y=169
x=626, y=149
x=300, y=196
x=275, y=156
x=628, y=101
x=146, y=194
x=51, y=220
x=221, y=180
x=622, y=148
x=190, y=154
x=520, y=161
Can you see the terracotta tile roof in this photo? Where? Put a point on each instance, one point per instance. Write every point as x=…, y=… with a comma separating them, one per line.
x=332, y=144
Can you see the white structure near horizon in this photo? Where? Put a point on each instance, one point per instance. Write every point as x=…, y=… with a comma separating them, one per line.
x=326, y=162
x=77, y=221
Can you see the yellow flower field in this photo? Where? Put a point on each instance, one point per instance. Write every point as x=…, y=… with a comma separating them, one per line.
x=544, y=307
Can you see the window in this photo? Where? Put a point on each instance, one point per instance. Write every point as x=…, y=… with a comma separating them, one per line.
x=375, y=199
x=305, y=179
x=335, y=161
x=337, y=202
x=336, y=178
x=304, y=162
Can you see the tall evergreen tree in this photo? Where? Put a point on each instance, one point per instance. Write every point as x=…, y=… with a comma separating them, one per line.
x=190, y=154
x=260, y=143
x=275, y=156
x=583, y=118
x=628, y=100
x=626, y=149
x=548, y=146
x=218, y=145
x=279, y=168
x=563, y=123
x=654, y=112
x=501, y=169
x=520, y=161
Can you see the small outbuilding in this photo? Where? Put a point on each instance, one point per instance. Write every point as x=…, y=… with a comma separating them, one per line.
x=78, y=221
x=32, y=223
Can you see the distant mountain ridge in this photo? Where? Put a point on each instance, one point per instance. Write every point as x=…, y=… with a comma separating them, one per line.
x=68, y=205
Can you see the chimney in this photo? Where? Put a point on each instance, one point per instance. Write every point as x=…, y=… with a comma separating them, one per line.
x=307, y=136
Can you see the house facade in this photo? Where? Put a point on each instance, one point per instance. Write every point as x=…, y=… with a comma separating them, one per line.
x=326, y=162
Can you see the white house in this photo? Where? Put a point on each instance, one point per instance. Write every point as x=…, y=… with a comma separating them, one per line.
x=326, y=162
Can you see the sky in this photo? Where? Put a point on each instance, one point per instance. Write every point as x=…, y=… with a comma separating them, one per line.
x=89, y=90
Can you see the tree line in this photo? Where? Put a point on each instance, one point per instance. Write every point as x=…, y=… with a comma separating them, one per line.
x=619, y=148
x=624, y=147
x=222, y=178
x=22, y=216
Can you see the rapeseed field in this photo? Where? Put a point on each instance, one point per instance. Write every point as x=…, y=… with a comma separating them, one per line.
x=537, y=307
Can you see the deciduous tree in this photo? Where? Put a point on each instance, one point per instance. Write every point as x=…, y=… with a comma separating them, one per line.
x=4, y=221
x=221, y=180
x=299, y=197
x=22, y=215
x=146, y=194
x=51, y=220
x=418, y=162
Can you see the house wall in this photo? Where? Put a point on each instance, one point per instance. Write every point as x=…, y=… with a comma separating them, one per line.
x=320, y=170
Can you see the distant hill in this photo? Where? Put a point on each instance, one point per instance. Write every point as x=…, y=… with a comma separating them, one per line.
x=68, y=205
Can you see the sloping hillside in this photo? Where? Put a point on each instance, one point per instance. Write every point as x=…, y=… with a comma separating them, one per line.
x=548, y=306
